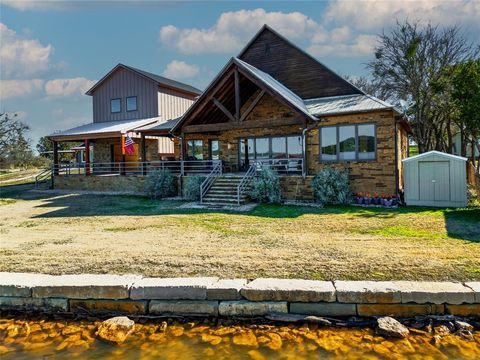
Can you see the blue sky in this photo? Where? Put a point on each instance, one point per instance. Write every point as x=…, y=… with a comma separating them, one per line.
x=53, y=51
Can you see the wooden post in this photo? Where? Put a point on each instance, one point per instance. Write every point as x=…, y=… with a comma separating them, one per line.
x=237, y=96
x=87, y=156
x=143, y=147
x=122, y=161
x=55, y=158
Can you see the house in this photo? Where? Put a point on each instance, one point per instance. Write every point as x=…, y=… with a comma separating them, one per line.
x=125, y=99
x=273, y=105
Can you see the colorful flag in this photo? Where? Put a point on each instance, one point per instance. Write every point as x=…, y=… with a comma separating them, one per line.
x=129, y=146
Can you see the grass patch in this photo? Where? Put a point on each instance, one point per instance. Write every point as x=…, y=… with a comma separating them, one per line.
x=28, y=224
x=402, y=231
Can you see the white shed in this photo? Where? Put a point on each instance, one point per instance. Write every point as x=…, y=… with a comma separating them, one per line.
x=435, y=179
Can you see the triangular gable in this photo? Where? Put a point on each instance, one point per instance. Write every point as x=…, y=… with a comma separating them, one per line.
x=262, y=80
x=293, y=67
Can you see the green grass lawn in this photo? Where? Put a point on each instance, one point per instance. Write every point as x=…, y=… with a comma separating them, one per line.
x=122, y=234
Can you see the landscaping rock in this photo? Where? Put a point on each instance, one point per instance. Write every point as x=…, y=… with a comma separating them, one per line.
x=21, y=303
x=105, y=306
x=462, y=325
x=85, y=286
x=184, y=307
x=463, y=310
x=399, y=310
x=389, y=327
x=172, y=288
x=115, y=329
x=265, y=289
x=422, y=292
x=226, y=289
x=20, y=284
x=475, y=286
x=377, y=292
x=442, y=330
x=323, y=309
x=249, y=308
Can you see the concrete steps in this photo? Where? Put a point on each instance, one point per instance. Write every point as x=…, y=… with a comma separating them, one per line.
x=223, y=192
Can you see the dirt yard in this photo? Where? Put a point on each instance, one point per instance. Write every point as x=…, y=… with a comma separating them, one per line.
x=119, y=234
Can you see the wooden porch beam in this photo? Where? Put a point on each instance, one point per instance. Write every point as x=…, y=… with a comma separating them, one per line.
x=252, y=105
x=223, y=108
x=87, y=156
x=55, y=158
x=237, y=95
x=245, y=125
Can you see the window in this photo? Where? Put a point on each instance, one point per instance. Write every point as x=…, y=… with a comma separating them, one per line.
x=214, y=150
x=348, y=142
x=194, y=150
x=262, y=148
x=279, y=148
x=294, y=147
x=328, y=143
x=132, y=103
x=115, y=105
x=366, y=142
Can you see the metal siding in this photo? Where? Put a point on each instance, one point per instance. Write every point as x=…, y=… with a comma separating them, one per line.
x=172, y=104
x=121, y=84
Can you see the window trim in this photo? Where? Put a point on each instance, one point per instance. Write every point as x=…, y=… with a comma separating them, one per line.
x=126, y=103
x=269, y=137
x=120, y=102
x=337, y=131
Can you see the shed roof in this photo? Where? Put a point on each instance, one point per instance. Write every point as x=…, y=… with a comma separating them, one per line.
x=163, y=127
x=160, y=80
x=102, y=129
x=435, y=152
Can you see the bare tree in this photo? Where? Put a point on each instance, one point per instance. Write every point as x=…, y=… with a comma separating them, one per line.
x=407, y=60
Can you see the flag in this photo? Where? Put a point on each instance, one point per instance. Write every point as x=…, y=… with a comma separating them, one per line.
x=129, y=146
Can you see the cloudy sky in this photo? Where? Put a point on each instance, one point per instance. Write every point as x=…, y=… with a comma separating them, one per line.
x=51, y=52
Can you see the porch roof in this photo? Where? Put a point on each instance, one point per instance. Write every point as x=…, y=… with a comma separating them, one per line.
x=102, y=129
x=159, y=129
x=333, y=105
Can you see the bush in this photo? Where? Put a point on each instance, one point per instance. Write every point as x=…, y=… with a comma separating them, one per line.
x=191, y=190
x=331, y=186
x=266, y=187
x=160, y=184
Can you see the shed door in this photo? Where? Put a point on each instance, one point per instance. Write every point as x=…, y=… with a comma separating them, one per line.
x=434, y=180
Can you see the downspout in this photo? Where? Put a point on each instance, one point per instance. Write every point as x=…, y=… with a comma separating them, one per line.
x=304, y=146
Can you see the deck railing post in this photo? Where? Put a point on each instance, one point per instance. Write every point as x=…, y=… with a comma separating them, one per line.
x=182, y=167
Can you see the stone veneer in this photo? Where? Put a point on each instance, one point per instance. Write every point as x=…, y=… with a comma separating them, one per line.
x=211, y=296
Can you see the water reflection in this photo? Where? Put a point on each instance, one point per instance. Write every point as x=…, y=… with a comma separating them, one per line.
x=62, y=339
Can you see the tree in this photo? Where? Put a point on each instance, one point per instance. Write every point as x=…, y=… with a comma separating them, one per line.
x=15, y=149
x=45, y=147
x=368, y=86
x=407, y=61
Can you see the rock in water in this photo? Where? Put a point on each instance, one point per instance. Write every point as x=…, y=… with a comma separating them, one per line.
x=389, y=327
x=115, y=329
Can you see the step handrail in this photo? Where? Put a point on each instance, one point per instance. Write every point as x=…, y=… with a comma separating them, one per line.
x=210, y=179
x=245, y=181
x=42, y=176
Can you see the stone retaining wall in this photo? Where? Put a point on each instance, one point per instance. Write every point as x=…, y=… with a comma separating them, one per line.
x=210, y=296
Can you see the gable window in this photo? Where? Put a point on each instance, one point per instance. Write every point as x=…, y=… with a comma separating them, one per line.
x=132, y=103
x=194, y=150
x=115, y=105
x=348, y=142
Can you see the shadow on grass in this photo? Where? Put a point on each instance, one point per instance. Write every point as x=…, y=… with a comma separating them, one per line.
x=461, y=224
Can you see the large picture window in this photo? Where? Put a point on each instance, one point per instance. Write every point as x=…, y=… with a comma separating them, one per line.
x=348, y=142
x=276, y=147
x=194, y=150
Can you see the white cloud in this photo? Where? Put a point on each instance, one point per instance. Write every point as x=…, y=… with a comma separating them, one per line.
x=181, y=70
x=22, y=57
x=340, y=44
x=20, y=88
x=67, y=87
x=233, y=29
x=374, y=14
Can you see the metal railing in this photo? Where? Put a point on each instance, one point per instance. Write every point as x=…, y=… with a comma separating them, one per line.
x=135, y=168
x=210, y=179
x=43, y=177
x=245, y=181
x=290, y=166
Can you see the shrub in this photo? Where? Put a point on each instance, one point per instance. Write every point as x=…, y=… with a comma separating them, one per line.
x=160, y=184
x=266, y=187
x=191, y=190
x=331, y=186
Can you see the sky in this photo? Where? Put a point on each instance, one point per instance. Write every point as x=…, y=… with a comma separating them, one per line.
x=52, y=52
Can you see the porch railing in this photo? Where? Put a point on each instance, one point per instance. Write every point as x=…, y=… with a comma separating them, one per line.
x=136, y=168
x=210, y=179
x=290, y=166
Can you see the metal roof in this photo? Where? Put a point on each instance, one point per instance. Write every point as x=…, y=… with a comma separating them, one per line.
x=164, y=126
x=277, y=86
x=120, y=127
x=345, y=104
x=157, y=78
x=435, y=152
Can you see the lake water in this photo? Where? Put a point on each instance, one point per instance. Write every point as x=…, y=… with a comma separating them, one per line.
x=67, y=339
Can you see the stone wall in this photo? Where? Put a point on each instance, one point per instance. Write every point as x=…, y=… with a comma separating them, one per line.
x=366, y=176
x=296, y=187
x=213, y=297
